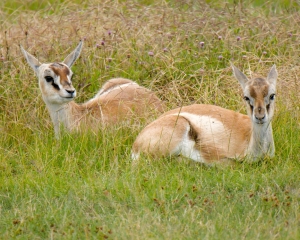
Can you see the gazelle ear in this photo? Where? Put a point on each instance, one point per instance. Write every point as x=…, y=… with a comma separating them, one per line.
x=32, y=61
x=241, y=77
x=73, y=56
x=273, y=74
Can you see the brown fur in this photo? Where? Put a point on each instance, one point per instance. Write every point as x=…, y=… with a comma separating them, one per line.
x=117, y=105
x=112, y=83
x=208, y=133
x=171, y=128
x=166, y=133
x=237, y=124
x=259, y=90
x=60, y=70
x=119, y=99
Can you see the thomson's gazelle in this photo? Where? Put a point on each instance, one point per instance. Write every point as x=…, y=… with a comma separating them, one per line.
x=117, y=100
x=211, y=134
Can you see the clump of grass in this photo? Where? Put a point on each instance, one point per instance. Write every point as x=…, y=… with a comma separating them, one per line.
x=84, y=185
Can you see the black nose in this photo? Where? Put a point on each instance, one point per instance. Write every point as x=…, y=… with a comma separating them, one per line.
x=70, y=91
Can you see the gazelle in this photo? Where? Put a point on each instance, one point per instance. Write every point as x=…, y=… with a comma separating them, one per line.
x=211, y=134
x=117, y=100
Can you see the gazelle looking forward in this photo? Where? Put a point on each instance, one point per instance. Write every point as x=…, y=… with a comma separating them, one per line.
x=117, y=100
x=211, y=134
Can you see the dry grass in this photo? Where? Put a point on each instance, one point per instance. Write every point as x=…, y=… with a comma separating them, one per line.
x=130, y=30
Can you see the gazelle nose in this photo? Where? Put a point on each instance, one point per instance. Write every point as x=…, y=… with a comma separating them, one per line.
x=260, y=117
x=70, y=91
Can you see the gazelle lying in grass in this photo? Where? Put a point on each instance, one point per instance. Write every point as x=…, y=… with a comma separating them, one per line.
x=117, y=100
x=211, y=134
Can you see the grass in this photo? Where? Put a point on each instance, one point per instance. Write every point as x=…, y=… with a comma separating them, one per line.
x=84, y=186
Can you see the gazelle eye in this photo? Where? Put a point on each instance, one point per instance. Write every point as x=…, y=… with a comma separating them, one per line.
x=272, y=96
x=246, y=99
x=49, y=79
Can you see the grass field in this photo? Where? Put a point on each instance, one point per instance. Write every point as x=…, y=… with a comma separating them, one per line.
x=83, y=186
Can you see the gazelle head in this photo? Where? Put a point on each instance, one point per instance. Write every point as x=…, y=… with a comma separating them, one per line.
x=55, y=78
x=259, y=95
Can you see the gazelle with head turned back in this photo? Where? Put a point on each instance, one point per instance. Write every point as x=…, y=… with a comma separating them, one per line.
x=119, y=99
x=211, y=134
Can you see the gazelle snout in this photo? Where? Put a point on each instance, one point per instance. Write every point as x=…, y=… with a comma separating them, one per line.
x=67, y=92
x=260, y=119
x=260, y=114
x=68, y=87
x=72, y=92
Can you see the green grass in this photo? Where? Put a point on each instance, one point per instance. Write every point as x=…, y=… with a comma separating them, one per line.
x=83, y=186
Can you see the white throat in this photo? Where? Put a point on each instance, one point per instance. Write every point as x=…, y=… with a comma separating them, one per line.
x=59, y=115
x=261, y=141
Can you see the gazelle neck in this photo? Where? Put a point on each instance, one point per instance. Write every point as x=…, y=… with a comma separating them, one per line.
x=261, y=141
x=60, y=115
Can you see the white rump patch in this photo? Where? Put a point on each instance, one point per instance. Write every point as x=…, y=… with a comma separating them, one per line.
x=188, y=149
x=212, y=131
x=209, y=126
